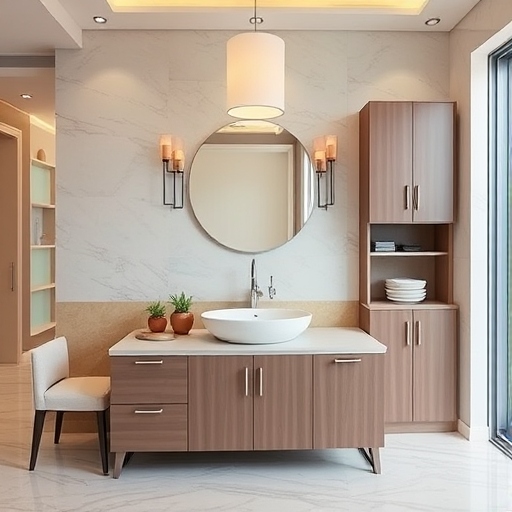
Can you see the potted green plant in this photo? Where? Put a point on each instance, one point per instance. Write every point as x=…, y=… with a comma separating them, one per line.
x=156, y=321
x=181, y=319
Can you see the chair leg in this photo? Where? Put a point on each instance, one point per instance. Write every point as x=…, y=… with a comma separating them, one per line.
x=58, y=426
x=36, y=437
x=101, y=417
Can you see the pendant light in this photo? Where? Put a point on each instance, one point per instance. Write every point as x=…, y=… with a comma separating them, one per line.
x=255, y=74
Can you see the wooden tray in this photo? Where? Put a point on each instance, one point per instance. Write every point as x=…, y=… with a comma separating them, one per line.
x=154, y=336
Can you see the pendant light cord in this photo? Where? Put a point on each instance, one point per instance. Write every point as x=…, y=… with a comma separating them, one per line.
x=255, y=20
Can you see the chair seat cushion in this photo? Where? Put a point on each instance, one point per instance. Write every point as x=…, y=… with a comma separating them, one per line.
x=79, y=394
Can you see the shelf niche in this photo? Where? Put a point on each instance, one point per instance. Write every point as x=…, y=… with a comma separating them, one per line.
x=433, y=263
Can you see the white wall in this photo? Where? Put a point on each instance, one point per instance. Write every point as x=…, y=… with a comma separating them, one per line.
x=468, y=80
x=117, y=95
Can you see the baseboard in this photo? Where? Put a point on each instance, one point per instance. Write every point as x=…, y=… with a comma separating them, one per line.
x=473, y=433
x=420, y=427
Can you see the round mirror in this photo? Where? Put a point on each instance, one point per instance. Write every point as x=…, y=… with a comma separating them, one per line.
x=252, y=186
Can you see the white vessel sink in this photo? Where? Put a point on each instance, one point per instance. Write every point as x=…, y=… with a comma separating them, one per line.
x=256, y=326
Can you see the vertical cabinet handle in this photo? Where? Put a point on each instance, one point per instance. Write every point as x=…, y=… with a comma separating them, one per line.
x=408, y=333
x=407, y=196
x=12, y=276
x=246, y=381
x=418, y=332
x=416, y=199
x=261, y=381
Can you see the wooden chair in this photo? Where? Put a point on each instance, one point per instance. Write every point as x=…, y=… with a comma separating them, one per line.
x=55, y=390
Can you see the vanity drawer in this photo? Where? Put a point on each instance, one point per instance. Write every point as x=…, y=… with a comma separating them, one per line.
x=148, y=380
x=147, y=428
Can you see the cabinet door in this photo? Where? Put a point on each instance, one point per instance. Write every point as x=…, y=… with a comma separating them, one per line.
x=394, y=329
x=433, y=161
x=348, y=409
x=435, y=368
x=390, y=162
x=283, y=402
x=220, y=403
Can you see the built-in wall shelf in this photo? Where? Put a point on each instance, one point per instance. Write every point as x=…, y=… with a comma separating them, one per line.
x=42, y=254
x=379, y=305
x=43, y=287
x=42, y=328
x=404, y=254
x=43, y=205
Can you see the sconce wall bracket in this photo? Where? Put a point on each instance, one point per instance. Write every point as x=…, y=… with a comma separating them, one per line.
x=172, y=186
x=327, y=198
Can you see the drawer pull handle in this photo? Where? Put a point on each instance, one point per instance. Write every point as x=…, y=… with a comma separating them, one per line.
x=159, y=411
x=149, y=362
x=347, y=360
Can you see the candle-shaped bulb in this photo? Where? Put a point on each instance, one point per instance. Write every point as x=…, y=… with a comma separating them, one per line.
x=166, y=147
x=320, y=161
x=178, y=160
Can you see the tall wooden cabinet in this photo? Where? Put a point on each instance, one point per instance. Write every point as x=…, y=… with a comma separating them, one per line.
x=406, y=196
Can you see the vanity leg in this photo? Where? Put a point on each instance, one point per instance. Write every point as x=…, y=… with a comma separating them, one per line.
x=375, y=455
x=372, y=456
x=118, y=463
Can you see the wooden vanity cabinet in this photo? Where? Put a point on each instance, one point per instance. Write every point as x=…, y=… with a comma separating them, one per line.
x=283, y=401
x=407, y=161
x=250, y=402
x=420, y=366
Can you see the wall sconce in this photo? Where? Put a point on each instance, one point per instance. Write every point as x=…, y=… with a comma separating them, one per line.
x=325, y=151
x=173, y=164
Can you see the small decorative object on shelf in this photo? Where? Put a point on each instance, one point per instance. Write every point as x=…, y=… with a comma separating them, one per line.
x=156, y=321
x=181, y=319
x=383, y=246
x=409, y=247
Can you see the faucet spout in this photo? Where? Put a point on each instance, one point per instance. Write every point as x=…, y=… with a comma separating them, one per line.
x=256, y=293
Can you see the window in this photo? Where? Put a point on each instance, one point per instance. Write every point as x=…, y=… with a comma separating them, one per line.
x=500, y=247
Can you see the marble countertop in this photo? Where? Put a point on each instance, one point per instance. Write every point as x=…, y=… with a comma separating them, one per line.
x=315, y=340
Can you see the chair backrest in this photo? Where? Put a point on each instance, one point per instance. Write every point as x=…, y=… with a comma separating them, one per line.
x=50, y=363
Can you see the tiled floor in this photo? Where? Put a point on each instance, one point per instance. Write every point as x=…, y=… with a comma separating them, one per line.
x=421, y=472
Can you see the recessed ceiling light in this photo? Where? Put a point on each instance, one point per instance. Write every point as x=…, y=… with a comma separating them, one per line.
x=432, y=22
x=99, y=19
x=26, y=96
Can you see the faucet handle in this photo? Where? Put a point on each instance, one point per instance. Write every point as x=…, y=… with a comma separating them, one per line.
x=271, y=289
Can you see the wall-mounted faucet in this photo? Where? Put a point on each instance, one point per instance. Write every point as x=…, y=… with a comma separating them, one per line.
x=256, y=293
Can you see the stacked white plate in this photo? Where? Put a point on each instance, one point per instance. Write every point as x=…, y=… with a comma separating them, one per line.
x=406, y=290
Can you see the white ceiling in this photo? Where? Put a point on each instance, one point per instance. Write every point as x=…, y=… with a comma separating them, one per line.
x=38, y=27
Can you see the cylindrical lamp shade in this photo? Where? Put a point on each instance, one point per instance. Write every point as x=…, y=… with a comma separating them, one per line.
x=255, y=76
